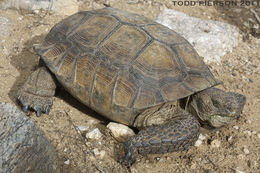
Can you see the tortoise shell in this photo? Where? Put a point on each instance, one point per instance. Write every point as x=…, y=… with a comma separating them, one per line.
x=119, y=63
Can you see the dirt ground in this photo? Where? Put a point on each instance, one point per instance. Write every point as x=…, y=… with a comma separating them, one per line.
x=233, y=148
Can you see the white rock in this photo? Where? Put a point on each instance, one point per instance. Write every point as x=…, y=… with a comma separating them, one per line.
x=98, y=153
x=65, y=7
x=36, y=11
x=132, y=1
x=120, y=132
x=62, y=7
x=6, y=27
x=236, y=127
x=258, y=135
x=246, y=151
x=198, y=143
x=215, y=143
x=133, y=170
x=200, y=140
x=247, y=132
x=94, y=134
x=211, y=39
x=239, y=171
x=82, y=128
x=202, y=137
x=230, y=138
x=67, y=162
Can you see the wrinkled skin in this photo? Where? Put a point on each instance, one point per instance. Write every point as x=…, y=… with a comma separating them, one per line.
x=163, y=128
x=216, y=107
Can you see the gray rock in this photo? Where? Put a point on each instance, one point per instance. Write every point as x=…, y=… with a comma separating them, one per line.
x=63, y=7
x=82, y=128
x=27, y=4
x=94, y=134
x=6, y=27
x=211, y=39
x=23, y=147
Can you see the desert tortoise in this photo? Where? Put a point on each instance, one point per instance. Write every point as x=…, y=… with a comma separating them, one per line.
x=131, y=70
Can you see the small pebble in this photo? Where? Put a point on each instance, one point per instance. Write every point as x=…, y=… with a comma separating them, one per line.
x=239, y=171
x=36, y=11
x=82, y=128
x=202, y=137
x=230, y=138
x=258, y=135
x=95, y=151
x=67, y=162
x=101, y=153
x=200, y=140
x=94, y=134
x=236, y=127
x=157, y=158
x=253, y=132
x=246, y=151
x=133, y=170
x=132, y=1
x=215, y=143
x=247, y=132
x=198, y=143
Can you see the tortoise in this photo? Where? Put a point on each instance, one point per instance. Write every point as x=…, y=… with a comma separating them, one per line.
x=134, y=71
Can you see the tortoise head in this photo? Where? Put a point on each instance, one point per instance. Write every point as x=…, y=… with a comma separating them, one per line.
x=216, y=107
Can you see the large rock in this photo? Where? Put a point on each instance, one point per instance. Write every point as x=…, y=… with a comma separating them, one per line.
x=23, y=147
x=120, y=132
x=63, y=7
x=6, y=27
x=211, y=39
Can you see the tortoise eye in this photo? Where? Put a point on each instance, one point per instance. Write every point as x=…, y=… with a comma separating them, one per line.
x=215, y=103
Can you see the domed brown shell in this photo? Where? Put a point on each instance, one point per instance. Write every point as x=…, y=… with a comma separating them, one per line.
x=119, y=63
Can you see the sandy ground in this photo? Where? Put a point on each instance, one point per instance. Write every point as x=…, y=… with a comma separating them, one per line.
x=229, y=149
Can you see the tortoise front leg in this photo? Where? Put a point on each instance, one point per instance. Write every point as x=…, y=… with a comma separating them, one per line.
x=38, y=91
x=179, y=133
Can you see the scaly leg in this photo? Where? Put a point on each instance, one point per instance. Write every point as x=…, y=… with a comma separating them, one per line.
x=179, y=133
x=38, y=91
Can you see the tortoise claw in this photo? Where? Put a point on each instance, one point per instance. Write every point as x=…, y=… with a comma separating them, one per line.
x=38, y=112
x=25, y=108
x=129, y=159
x=47, y=111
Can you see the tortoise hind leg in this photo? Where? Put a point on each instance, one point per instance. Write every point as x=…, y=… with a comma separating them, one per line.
x=178, y=134
x=38, y=91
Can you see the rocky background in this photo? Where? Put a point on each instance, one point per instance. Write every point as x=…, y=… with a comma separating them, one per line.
x=81, y=137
